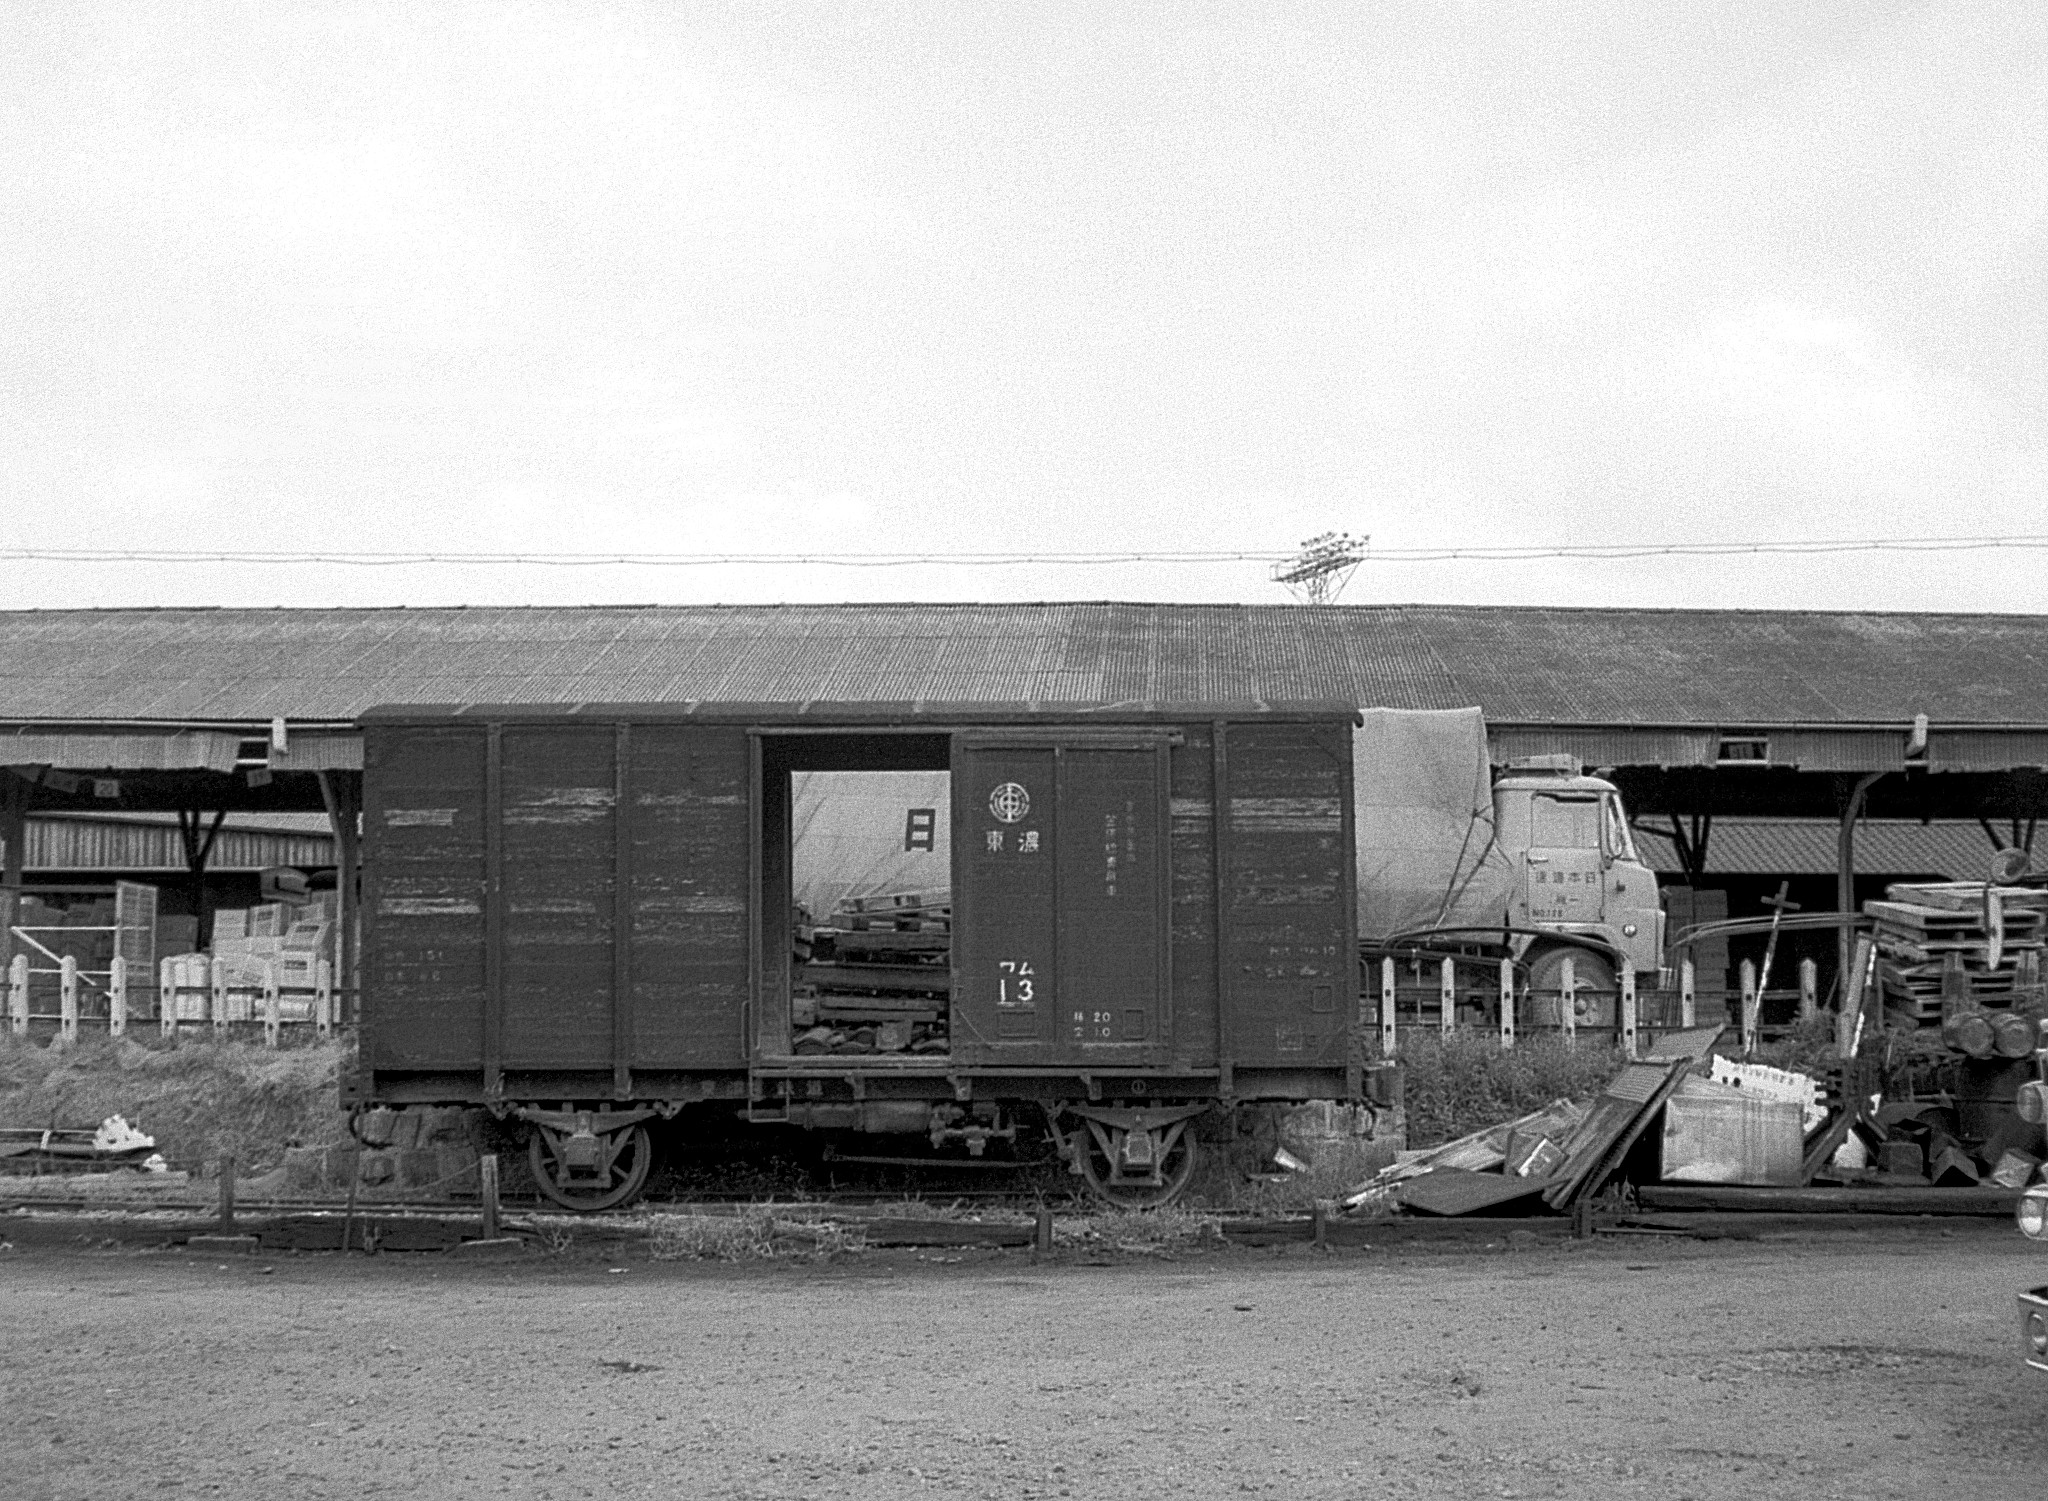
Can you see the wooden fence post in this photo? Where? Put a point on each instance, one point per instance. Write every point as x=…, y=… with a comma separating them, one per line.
x=17, y=994
x=67, y=998
x=217, y=982
x=1507, y=1003
x=166, y=998
x=1752, y=1007
x=1447, y=997
x=1809, y=989
x=1389, y=1037
x=272, y=1021
x=1628, y=1011
x=1688, y=999
x=323, y=997
x=1568, y=999
x=487, y=1191
x=117, y=997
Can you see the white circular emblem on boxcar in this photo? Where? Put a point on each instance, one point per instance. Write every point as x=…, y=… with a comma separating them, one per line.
x=1009, y=802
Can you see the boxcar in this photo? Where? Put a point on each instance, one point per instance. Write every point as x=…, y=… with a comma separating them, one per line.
x=581, y=917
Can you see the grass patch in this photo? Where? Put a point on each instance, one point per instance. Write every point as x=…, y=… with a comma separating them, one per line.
x=200, y=1098
x=1143, y=1232
x=1466, y=1082
x=754, y=1234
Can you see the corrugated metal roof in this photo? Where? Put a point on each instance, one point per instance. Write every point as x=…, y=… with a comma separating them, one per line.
x=1796, y=847
x=1650, y=668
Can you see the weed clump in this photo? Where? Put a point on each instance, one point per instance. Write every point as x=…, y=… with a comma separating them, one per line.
x=1466, y=1082
x=757, y=1233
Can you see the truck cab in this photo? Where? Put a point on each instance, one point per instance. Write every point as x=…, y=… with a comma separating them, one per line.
x=1575, y=866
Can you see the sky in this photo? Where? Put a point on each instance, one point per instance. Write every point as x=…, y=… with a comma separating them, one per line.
x=835, y=279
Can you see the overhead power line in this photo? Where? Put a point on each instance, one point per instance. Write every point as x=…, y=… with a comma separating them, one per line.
x=1475, y=552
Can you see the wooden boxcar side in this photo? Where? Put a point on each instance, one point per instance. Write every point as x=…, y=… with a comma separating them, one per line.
x=580, y=905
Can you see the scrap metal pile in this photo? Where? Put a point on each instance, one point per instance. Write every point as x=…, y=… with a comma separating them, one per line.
x=875, y=978
x=1688, y=1129
x=40, y=1150
x=1549, y=1160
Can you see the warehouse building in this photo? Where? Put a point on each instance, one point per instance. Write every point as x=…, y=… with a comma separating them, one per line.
x=1835, y=726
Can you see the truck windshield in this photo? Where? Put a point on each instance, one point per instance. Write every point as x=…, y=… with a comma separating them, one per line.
x=1564, y=823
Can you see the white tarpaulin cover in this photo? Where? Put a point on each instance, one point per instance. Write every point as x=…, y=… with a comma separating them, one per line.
x=1426, y=850
x=849, y=830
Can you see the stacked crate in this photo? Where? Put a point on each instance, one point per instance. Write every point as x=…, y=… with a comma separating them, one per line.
x=1936, y=949
x=877, y=978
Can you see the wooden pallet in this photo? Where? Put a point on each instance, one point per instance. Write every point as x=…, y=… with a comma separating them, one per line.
x=836, y=980
x=1948, y=922
x=875, y=941
x=1965, y=896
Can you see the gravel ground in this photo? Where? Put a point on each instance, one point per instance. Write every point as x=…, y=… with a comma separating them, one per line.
x=1810, y=1367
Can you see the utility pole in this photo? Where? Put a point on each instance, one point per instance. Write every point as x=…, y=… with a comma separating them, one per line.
x=1318, y=573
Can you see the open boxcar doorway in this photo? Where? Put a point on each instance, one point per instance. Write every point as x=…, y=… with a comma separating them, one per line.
x=856, y=899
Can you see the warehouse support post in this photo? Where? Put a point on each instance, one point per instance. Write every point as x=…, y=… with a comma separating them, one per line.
x=1845, y=877
x=13, y=826
x=343, y=795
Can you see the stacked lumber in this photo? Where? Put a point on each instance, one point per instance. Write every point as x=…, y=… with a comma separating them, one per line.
x=1943, y=945
x=877, y=977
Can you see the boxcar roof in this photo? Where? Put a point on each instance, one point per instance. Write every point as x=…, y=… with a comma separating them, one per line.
x=1520, y=664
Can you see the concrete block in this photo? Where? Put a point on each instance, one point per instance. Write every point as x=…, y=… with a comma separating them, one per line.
x=223, y=1245
x=446, y=1124
x=379, y=1167
x=405, y=1129
x=419, y=1167
x=456, y=1167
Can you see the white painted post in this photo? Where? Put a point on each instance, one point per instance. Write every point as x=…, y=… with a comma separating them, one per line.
x=1507, y=1003
x=1751, y=1007
x=1568, y=1000
x=271, y=1020
x=166, y=998
x=1809, y=988
x=217, y=982
x=67, y=998
x=323, y=997
x=17, y=994
x=1628, y=1011
x=1447, y=997
x=1388, y=1035
x=117, y=997
x=1688, y=1000
x=1849, y=1021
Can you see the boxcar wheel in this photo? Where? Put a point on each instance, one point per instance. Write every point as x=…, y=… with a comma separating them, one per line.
x=620, y=1175
x=1174, y=1171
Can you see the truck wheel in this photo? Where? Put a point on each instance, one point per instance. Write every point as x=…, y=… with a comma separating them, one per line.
x=1598, y=994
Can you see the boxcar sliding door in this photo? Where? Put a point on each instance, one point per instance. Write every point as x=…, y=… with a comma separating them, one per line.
x=1060, y=895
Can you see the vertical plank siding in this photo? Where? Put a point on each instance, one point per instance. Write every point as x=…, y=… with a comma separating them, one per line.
x=423, y=874
x=690, y=841
x=1293, y=978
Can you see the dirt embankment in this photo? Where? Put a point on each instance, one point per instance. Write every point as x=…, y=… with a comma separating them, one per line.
x=201, y=1099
